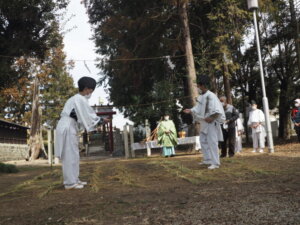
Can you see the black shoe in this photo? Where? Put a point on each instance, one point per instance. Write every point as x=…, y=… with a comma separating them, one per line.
x=222, y=156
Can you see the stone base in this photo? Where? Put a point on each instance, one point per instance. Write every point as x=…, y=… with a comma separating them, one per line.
x=10, y=152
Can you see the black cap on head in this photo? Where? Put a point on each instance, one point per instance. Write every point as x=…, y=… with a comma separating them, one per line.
x=86, y=82
x=253, y=102
x=203, y=80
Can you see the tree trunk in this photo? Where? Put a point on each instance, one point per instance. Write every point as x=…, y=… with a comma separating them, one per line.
x=190, y=65
x=284, y=131
x=213, y=79
x=296, y=32
x=35, y=130
x=227, y=88
x=226, y=81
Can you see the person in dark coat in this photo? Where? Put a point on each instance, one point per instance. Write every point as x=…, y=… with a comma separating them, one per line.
x=228, y=129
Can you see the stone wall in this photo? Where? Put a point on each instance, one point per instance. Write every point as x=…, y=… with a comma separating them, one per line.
x=13, y=152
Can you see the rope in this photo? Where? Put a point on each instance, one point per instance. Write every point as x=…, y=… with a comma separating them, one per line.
x=118, y=60
x=133, y=105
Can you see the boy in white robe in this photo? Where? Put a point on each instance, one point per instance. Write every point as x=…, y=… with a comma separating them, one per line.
x=210, y=113
x=76, y=114
x=256, y=122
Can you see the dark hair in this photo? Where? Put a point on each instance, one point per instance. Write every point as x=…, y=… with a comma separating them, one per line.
x=86, y=82
x=203, y=80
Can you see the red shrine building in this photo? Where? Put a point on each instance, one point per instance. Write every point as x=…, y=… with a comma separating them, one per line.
x=105, y=111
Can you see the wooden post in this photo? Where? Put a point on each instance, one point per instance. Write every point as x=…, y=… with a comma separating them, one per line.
x=50, y=150
x=86, y=142
x=131, y=140
x=125, y=134
x=148, y=134
x=111, y=135
x=56, y=160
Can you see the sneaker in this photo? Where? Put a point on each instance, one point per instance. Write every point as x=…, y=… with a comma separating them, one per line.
x=82, y=182
x=204, y=163
x=253, y=151
x=261, y=151
x=74, y=186
x=212, y=167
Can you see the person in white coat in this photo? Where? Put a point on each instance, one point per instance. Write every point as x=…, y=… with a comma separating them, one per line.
x=210, y=113
x=76, y=115
x=256, y=121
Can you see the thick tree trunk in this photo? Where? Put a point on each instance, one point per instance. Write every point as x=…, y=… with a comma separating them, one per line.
x=284, y=131
x=227, y=88
x=226, y=81
x=296, y=32
x=190, y=65
x=213, y=79
x=35, y=130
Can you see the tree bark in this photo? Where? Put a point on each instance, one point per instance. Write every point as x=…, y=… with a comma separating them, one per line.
x=296, y=32
x=190, y=65
x=284, y=131
x=227, y=88
x=213, y=79
x=226, y=81
x=35, y=130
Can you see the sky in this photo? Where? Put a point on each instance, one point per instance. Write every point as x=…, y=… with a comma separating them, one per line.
x=79, y=46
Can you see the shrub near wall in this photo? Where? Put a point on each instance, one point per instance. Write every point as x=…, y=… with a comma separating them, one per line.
x=8, y=168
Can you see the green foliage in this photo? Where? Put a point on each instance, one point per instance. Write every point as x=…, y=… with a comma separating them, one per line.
x=26, y=29
x=8, y=168
x=222, y=36
x=142, y=29
x=138, y=29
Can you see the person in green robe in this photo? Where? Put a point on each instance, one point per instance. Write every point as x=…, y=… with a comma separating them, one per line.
x=167, y=136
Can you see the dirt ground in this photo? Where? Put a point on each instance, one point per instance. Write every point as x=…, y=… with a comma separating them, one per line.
x=250, y=188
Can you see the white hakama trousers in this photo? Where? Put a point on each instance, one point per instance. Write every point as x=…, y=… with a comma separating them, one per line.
x=258, y=139
x=238, y=144
x=209, y=144
x=67, y=149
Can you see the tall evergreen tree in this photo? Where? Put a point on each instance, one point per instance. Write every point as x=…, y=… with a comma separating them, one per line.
x=26, y=29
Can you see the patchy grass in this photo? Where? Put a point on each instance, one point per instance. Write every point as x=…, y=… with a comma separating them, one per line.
x=247, y=189
x=177, y=169
x=124, y=176
x=103, y=177
x=38, y=182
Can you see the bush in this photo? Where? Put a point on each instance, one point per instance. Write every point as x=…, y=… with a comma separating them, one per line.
x=8, y=168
